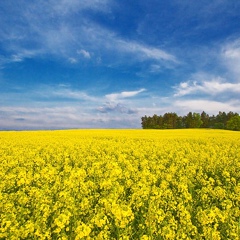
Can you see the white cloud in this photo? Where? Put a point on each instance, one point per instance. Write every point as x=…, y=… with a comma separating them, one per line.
x=66, y=92
x=84, y=53
x=17, y=58
x=69, y=108
x=121, y=95
x=51, y=94
x=211, y=107
x=233, y=53
x=155, y=68
x=118, y=108
x=212, y=86
x=49, y=28
x=231, y=57
x=60, y=118
x=73, y=60
x=145, y=52
x=220, y=87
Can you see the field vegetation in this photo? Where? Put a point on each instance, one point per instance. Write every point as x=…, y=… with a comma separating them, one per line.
x=120, y=184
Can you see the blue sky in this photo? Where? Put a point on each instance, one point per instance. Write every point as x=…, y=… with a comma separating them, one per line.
x=107, y=63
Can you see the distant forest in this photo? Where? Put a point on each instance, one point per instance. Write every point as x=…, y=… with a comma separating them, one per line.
x=171, y=120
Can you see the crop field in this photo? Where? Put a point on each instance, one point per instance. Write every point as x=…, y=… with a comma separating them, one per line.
x=120, y=184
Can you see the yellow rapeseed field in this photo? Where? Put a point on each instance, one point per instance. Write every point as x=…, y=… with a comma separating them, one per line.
x=120, y=184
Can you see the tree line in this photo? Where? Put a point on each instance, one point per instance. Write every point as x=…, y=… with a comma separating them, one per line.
x=171, y=120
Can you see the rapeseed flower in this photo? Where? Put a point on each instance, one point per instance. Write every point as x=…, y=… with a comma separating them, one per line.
x=120, y=184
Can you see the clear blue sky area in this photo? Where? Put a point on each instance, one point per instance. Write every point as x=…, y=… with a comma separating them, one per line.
x=105, y=64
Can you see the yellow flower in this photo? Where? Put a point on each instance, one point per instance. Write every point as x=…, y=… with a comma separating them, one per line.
x=120, y=184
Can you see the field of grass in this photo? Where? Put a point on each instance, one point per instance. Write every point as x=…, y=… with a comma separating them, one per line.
x=120, y=184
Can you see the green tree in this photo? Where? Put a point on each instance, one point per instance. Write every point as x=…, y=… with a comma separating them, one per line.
x=220, y=121
x=170, y=120
x=144, y=122
x=193, y=120
x=180, y=123
x=188, y=120
x=197, y=122
x=234, y=123
x=205, y=120
x=155, y=120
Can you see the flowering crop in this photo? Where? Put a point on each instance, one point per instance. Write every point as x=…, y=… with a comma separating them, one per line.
x=120, y=184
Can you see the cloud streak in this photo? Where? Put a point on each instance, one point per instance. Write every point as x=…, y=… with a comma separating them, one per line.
x=49, y=30
x=145, y=52
x=124, y=94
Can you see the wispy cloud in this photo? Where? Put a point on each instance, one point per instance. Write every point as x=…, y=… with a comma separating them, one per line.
x=49, y=30
x=144, y=52
x=212, y=86
x=115, y=103
x=87, y=111
x=84, y=53
x=61, y=117
x=73, y=60
x=73, y=94
x=124, y=94
x=60, y=94
x=231, y=57
x=118, y=108
x=209, y=106
x=41, y=117
x=69, y=108
x=70, y=6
